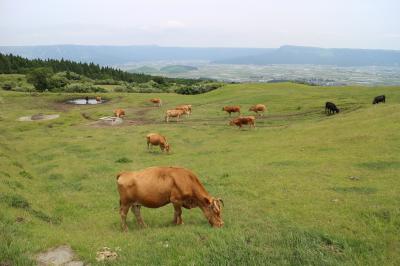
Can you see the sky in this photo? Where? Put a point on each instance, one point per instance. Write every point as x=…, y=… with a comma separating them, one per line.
x=370, y=24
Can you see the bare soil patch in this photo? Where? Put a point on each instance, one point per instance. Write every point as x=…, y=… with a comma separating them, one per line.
x=38, y=117
x=62, y=255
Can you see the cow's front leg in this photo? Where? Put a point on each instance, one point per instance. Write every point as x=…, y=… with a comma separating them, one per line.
x=177, y=214
x=139, y=219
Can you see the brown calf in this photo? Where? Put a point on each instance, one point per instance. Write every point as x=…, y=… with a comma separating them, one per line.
x=155, y=139
x=174, y=113
x=231, y=109
x=186, y=107
x=243, y=120
x=156, y=101
x=258, y=108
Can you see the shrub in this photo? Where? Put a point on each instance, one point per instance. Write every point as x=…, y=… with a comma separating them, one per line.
x=72, y=75
x=198, y=89
x=124, y=89
x=58, y=81
x=7, y=86
x=148, y=90
x=159, y=80
x=107, y=82
x=40, y=78
x=82, y=88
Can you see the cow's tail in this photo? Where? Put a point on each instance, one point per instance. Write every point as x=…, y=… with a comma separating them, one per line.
x=119, y=174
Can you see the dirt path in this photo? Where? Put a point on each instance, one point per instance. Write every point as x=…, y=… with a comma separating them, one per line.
x=140, y=115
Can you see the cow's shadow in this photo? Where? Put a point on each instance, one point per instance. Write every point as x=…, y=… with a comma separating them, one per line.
x=151, y=224
x=157, y=153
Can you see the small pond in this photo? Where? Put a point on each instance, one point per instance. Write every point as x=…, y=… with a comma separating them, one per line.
x=83, y=101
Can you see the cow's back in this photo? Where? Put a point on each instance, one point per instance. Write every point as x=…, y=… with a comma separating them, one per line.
x=174, y=112
x=154, y=138
x=260, y=107
x=152, y=187
x=247, y=120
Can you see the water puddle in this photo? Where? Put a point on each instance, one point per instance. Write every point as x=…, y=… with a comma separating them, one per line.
x=84, y=101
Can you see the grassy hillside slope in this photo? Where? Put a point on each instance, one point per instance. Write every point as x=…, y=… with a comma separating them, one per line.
x=286, y=187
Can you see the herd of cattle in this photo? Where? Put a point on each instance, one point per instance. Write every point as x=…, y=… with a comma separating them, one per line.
x=186, y=109
x=155, y=187
x=331, y=108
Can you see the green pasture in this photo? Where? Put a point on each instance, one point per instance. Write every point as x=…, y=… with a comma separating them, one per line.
x=287, y=187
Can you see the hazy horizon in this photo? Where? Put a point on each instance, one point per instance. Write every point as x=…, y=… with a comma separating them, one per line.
x=178, y=23
x=205, y=47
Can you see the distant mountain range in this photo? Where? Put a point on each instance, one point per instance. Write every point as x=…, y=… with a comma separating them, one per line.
x=319, y=56
x=119, y=55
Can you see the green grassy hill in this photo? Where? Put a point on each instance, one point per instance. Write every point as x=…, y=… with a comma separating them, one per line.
x=286, y=187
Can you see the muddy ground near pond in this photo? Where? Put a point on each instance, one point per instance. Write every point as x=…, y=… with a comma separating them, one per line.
x=140, y=115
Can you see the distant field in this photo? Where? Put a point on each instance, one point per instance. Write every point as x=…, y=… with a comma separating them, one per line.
x=322, y=75
x=289, y=198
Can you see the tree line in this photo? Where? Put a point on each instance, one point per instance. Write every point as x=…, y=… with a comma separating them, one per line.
x=13, y=64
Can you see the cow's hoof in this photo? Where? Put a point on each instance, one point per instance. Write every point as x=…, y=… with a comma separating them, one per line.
x=143, y=225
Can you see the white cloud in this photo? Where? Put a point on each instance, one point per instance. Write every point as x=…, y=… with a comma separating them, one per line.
x=173, y=24
x=392, y=35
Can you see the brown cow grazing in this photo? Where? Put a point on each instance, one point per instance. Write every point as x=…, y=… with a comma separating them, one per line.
x=155, y=139
x=98, y=99
x=174, y=113
x=231, y=109
x=155, y=187
x=244, y=120
x=119, y=113
x=156, y=101
x=185, y=107
x=258, y=108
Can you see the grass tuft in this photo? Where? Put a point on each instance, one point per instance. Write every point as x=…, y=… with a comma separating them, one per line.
x=123, y=160
x=16, y=201
x=25, y=174
x=360, y=190
x=381, y=165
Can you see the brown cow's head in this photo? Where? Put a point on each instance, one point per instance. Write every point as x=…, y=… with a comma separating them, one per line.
x=166, y=146
x=233, y=122
x=213, y=211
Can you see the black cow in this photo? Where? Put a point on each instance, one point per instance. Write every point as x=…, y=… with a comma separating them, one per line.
x=379, y=99
x=331, y=108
